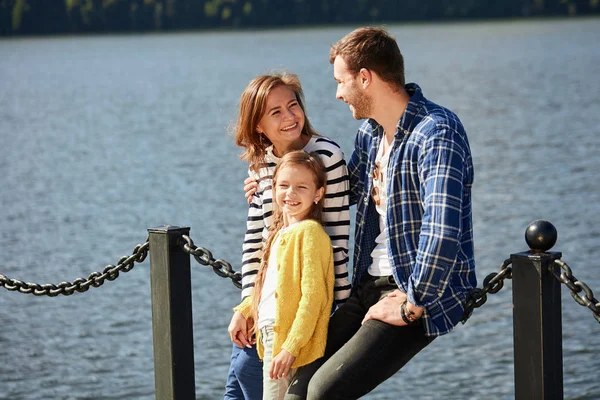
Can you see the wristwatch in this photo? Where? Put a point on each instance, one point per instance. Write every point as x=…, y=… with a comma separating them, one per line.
x=408, y=316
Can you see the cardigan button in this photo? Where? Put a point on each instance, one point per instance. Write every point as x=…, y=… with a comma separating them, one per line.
x=276, y=295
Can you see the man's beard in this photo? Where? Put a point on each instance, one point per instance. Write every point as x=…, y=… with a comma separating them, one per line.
x=362, y=105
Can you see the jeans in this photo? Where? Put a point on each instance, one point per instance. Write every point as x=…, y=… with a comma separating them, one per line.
x=244, y=381
x=273, y=389
x=358, y=357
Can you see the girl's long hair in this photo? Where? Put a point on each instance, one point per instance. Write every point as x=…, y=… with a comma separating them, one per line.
x=253, y=104
x=294, y=158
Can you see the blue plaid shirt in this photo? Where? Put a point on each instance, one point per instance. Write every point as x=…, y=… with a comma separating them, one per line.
x=429, y=220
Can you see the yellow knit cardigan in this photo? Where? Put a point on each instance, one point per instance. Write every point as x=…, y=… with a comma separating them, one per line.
x=304, y=293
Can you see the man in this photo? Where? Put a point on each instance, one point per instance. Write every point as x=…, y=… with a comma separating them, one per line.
x=411, y=174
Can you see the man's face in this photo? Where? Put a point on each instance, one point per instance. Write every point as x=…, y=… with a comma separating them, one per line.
x=350, y=90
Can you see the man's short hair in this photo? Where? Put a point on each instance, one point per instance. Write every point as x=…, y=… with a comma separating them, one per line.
x=374, y=49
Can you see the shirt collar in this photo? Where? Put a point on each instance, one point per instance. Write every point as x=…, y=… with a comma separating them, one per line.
x=270, y=156
x=405, y=124
x=415, y=103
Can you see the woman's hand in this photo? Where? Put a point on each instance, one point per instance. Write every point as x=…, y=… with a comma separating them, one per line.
x=280, y=366
x=238, y=330
x=250, y=187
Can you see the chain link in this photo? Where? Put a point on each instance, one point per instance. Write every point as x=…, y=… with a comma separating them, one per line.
x=581, y=292
x=491, y=284
x=205, y=257
x=95, y=279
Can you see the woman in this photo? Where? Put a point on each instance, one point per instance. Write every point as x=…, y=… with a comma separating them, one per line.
x=272, y=122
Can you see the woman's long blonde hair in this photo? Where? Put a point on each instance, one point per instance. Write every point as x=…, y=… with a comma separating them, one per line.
x=253, y=103
x=294, y=158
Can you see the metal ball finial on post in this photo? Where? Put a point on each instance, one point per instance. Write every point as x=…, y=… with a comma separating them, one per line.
x=537, y=320
x=540, y=236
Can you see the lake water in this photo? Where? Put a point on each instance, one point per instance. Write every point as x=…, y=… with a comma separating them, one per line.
x=104, y=137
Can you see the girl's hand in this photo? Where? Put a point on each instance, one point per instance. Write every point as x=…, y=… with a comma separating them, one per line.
x=280, y=366
x=238, y=330
x=250, y=187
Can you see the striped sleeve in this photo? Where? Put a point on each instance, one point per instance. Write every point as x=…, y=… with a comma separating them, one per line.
x=252, y=247
x=336, y=212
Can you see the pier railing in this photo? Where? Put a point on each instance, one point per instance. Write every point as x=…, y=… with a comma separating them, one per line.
x=536, y=277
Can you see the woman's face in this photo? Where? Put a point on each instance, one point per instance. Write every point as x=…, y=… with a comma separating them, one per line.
x=283, y=120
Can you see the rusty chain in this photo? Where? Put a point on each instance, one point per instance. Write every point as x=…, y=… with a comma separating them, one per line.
x=205, y=257
x=95, y=279
x=491, y=284
x=581, y=292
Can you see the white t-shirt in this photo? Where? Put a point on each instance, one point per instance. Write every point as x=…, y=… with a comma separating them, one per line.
x=381, y=262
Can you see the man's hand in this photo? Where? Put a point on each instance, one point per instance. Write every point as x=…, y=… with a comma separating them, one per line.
x=280, y=366
x=238, y=330
x=250, y=187
x=388, y=309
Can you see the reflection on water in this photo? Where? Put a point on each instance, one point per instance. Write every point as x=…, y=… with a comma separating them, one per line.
x=104, y=137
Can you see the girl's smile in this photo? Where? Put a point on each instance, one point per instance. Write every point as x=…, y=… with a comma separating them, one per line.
x=296, y=192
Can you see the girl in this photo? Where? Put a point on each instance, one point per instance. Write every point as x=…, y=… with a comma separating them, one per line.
x=291, y=302
x=272, y=121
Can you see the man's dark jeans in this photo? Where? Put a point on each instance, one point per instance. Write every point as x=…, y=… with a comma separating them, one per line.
x=359, y=357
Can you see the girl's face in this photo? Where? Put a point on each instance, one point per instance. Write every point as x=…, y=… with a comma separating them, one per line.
x=296, y=192
x=283, y=120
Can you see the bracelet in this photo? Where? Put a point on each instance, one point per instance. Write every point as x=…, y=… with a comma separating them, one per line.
x=403, y=314
x=408, y=317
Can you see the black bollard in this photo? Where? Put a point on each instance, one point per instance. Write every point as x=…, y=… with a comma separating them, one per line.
x=537, y=324
x=172, y=328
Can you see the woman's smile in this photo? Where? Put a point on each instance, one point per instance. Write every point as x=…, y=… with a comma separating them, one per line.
x=283, y=121
x=290, y=127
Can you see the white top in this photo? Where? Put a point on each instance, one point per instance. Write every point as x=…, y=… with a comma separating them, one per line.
x=267, y=305
x=381, y=262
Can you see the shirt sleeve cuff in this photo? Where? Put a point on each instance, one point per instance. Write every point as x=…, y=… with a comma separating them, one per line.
x=411, y=296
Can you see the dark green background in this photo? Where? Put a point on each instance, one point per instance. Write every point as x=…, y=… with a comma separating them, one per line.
x=40, y=17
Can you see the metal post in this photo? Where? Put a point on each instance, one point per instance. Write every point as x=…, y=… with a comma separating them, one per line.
x=172, y=327
x=537, y=323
